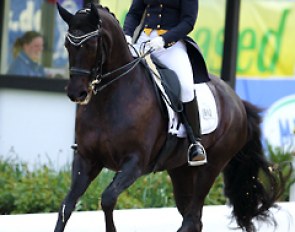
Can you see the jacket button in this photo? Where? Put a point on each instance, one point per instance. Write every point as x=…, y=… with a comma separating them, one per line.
x=170, y=44
x=161, y=5
x=148, y=15
x=160, y=16
x=158, y=26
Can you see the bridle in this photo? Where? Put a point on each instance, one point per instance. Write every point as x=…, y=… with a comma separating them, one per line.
x=78, y=41
x=99, y=80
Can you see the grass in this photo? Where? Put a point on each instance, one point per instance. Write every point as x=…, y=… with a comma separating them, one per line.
x=43, y=189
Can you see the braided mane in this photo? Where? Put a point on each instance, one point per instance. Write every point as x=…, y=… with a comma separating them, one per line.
x=99, y=6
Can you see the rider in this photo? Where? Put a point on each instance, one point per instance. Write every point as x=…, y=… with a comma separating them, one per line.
x=165, y=24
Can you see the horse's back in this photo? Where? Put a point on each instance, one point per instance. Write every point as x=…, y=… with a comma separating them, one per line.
x=232, y=117
x=228, y=102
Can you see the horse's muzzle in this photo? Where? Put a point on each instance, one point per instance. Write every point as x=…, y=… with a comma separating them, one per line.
x=81, y=97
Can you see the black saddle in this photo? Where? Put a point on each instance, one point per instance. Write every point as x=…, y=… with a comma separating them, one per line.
x=197, y=60
x=169, y=78
x=170, y=82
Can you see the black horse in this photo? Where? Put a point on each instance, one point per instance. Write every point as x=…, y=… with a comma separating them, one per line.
x=120, y=126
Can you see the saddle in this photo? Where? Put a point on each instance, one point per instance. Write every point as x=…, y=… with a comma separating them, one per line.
x=168, y=92
x=168, y=78
x=200, y=71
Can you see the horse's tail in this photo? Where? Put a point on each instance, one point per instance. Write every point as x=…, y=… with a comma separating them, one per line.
x=250, y=183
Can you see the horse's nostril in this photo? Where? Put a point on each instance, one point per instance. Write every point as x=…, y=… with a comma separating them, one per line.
x=72, y=97
x=83, y=95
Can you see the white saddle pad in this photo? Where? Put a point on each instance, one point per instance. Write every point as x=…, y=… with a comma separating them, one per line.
x=207, y=111
x=206, y=104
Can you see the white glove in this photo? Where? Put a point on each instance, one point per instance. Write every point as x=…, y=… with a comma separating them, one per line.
x=157, y=43
x=128, y=39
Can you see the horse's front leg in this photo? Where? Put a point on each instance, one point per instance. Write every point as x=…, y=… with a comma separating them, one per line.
x=83, y=172
x=123, y=179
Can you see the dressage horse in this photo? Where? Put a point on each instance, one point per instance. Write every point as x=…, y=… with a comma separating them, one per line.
x=120, y=126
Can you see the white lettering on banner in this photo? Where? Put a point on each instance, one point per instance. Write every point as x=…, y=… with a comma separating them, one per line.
x=28, y=19
x=279, y=124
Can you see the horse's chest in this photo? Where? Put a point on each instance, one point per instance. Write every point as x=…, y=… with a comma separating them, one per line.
x=94, y=140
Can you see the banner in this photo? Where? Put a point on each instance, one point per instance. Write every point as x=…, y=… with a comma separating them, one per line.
x=279, y=124
x=60, y=55
x=266, y=35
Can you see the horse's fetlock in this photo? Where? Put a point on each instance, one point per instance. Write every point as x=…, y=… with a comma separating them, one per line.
x=63, y=213
x=108, y=200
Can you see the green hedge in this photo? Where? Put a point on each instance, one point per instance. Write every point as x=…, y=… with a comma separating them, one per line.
x=24, y=191
x=42, y=190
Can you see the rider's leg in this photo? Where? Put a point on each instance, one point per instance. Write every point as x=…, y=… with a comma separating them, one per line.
x=176, y=58
x=196, y=152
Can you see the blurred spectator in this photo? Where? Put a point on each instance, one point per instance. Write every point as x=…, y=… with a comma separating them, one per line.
x=27, y=52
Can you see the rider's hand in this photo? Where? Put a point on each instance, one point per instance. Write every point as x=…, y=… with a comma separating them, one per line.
x=128, y=39
x=157, y=43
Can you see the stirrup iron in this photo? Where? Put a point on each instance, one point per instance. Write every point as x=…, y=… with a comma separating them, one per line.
x=196, y=162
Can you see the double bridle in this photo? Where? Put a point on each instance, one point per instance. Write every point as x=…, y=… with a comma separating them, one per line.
x=99, y=80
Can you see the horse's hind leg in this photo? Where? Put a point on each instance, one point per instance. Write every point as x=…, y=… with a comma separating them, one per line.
x=123, y=179
x=190, y=186
x=83, y=172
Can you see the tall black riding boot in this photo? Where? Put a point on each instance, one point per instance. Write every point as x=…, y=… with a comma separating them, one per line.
x=196, y=152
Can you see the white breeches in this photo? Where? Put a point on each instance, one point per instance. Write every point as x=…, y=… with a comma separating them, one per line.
x=175, y=58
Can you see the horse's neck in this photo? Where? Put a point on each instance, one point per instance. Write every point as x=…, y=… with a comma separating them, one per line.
x=125, y=90
x=119, y=62
x=117, y=51
x=128, y=86
x=119, y=55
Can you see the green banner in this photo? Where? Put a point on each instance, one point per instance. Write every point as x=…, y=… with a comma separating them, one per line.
x=266, y=35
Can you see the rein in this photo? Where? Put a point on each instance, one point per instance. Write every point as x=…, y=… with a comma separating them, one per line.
x=131, y=65
x=99, y=79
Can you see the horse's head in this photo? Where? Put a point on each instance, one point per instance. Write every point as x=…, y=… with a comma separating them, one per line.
x=84, y=45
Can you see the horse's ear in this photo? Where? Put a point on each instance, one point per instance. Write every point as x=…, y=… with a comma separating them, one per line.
x=65, y=15
x=95, y=18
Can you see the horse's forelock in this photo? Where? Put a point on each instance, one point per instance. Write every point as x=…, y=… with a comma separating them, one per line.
x=101, y=8
x=88, y=18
